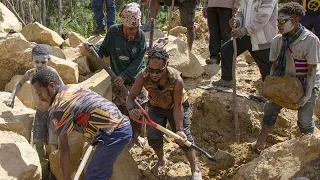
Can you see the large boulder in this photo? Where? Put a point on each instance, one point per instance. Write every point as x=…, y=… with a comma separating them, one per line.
x=76, y=143
x=71, y=53
x=99, y=83
x=8, y=20
x=18, y=160
x=182, y=59
x=287, y=160
x=18, y=119
x=83, y=65
x=57, y=52
x=16, y=57
x=284, y=91
x=68, y=70
x=178, y=30
x=75, y=39
x=125, y=167
x=40, y=34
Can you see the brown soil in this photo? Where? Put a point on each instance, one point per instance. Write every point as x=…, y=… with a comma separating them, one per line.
x=212, y=120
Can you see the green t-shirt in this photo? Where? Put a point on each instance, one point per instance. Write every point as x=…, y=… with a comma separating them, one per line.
x=126, y=57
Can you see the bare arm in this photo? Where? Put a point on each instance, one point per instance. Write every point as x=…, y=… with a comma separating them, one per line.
x=311, y=78
x=177, y=107
x=64, y=156
x=273, y=67
x=17, y=88
x=135, y=91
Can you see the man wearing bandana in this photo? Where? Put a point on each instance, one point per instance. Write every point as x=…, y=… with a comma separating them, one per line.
x=295, y=52
x=126, y=45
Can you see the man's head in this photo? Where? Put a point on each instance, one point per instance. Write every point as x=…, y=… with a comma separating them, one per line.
x=45, y=82
x=157, y=63
x=289, y=17
x=40, y=56
x=131, y=20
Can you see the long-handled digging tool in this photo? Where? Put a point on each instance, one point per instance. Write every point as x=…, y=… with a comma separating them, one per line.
x=234, y=94
x=221, y=159
x=86, y=156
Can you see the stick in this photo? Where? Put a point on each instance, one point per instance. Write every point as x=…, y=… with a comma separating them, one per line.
x=234, y=95
x=15, y=13
x=83, y=162
x=151, y=32
x=170, y=20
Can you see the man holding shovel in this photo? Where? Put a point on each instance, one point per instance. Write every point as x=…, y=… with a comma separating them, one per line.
x=295, y=52
x=76, y=108
x=126, y=45
x=255, y=25
x=168, y=103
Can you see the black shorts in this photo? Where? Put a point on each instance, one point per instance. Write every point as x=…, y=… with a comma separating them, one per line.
x=187, y=9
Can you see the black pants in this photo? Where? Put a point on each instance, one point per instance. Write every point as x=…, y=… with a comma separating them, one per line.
x=261, y=57
x=162, y=116
x=218, y=23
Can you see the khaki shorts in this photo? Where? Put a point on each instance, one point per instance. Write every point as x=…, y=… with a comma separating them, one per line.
x=187, y=9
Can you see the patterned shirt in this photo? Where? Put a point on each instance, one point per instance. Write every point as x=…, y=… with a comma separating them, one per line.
x=85, y=111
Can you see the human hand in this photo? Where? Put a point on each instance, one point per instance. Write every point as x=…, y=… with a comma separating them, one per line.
x=135, y=114
x=10, y=103
x=118, y=81
x=234, y=11
x=183, y=136
x=233, y=23
x=301, y=102
x=88, y=46
x=236, y=33
x=204, y=12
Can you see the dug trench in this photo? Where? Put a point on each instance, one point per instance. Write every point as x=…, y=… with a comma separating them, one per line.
x=213, y=128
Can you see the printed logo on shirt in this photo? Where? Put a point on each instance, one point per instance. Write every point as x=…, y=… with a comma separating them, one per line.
x=124, y=58
x=134, y=50
x=314, y=5
x=118, y=49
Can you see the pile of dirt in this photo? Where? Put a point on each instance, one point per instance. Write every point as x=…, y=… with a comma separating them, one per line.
x=213, y=126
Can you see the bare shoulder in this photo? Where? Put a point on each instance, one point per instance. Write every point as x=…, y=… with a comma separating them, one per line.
x=52, y=69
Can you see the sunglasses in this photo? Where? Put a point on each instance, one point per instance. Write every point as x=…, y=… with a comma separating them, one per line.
x=155, y=71
x=283, y=21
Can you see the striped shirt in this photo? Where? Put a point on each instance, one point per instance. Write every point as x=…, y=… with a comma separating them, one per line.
x=85, y=111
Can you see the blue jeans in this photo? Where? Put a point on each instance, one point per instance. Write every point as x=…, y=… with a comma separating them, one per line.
x=101, y=164
x=305, y=113
x=312, y=21
x=99, y=15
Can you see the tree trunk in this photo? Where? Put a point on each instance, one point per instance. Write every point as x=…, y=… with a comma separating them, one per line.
x=30, y=13
x=60, y=17
x=44, y=12
x=21, y=10
x=39, y=2
x=11, y=8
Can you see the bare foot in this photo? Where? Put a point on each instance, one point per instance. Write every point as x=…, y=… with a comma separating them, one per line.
x=157, y=167
x=257, y=147
x=140, y=141
x=196, y=175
